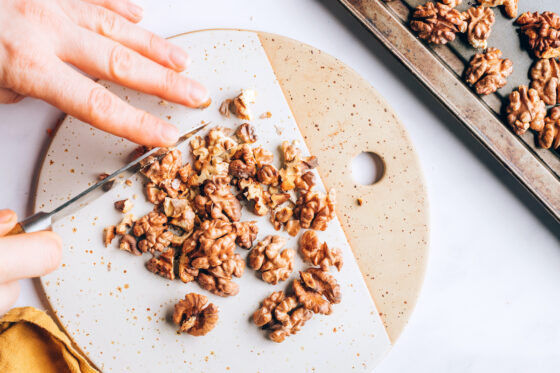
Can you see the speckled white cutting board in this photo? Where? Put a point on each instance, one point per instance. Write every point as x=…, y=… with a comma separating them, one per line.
x=118, y=313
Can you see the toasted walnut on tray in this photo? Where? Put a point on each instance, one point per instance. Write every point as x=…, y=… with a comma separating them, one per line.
x=542, y=32
x=510, y=6
x=193, y=315
x=437, y=23
x=525, y=110
x=480, y=20
x=545, y=75
x=488, y=72
x=271, y=261
x=549, y=137
x=451, y=3
x=282, y=316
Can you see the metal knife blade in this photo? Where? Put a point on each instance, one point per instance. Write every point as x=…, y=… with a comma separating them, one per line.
x=43, y=220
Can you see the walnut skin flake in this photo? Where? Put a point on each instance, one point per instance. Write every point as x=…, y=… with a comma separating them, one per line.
x=193, y=316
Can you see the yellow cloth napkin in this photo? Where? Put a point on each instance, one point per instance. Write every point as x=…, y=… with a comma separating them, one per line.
x=30, y=342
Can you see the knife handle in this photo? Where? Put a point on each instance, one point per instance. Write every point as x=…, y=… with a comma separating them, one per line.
x=17, y=229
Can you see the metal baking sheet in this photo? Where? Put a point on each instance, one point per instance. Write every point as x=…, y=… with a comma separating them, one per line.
x=440, y=69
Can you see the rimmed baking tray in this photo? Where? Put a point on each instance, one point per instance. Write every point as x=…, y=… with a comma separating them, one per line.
x=440, y=69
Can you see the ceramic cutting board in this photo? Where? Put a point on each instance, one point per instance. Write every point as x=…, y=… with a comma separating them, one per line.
x=118, y=313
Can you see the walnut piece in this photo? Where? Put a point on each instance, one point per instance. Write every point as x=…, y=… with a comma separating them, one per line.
x=510, y=6
x=108, y=235
x=128, y=243
x=273, y=264
x=254, y=193
x=217, y=200
x=451, y=3
x=545, y=75
x=125, y=224
x=480, y=20
x=152, y=231
x=317, y=290
x=542, y=32
x=283, y=316
x=166, y=168
x=315, y=210
x=246, y=233
x=319, y=254
x=211, y=244
x=124, y=205
x=163, y=264
x=549, y=137
x=245, y=133
x=239, y=106
x=243, y=164
x=294, y=167
x=217, y=280
x=488, y=72
x=437, y=23
x=525, y=110
x=193, y=317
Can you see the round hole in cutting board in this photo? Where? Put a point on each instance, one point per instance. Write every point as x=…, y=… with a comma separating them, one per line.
x=367, y=168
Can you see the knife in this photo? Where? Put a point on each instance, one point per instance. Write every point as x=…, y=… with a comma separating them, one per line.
x=43, y=220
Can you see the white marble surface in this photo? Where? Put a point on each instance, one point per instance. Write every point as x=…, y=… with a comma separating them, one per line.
x=491, y=298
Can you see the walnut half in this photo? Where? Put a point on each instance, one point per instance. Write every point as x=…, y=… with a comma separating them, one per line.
x=193, y=317
x=317, y=253
x=317, y=291
x=488, y=72
x=549, y=137
x=510, y=6
x=525, y=110
x=267, y=258
x=545, y=75
x=542, y=32
x=480, y=21
x=437, y=23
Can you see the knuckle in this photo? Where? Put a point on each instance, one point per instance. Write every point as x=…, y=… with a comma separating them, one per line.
x=154, y=44
x=170, y=81
x=100, y=104
x=120, y=61
x=108, y=22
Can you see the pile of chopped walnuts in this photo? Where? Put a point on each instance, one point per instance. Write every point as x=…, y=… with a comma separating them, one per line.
x=195, y=226
x=487, y=71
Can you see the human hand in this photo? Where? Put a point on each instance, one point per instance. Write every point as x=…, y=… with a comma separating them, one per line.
x=24, y=256
x=38, y=38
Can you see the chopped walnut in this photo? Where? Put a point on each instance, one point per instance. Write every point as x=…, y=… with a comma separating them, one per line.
x=262, y=156
x=153, y=231
x=108, y=235
x=317, y=290
x=222, y=287
x=211, y=244
x=124, y=205
x=266, y=258
x=254, y=192
x=268, y=175
x=293, y=227
x=128, y=243
x=243, y=164
x=239, y=106
x=187, y=273
x=166, y=168
x=488, y=72
x=154, y=194
x=125, y=224
x=549, y=137
x=280, y=217
x=510, y=6
x=525, y=110
x=294, y=167
x=205, y=104
x=480, y=20
x=437, y=23
x=542, y=32
x=266, y=115
x=218, y=202
x=245, y=133
x=545, y=75
x=315, y=210
x=211, y=155
x=317, y=253
x=246, y=233
x=193, y=317
x=180, y=212
x=163, y=264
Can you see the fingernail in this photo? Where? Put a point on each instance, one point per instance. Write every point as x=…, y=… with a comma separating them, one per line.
x=135, y=10
x=179, y=57
x=169, y=134
x=6, y=216
x=198, y=94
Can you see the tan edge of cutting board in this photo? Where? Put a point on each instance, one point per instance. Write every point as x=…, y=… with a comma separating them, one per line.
x=340, y=115
x=389, y=232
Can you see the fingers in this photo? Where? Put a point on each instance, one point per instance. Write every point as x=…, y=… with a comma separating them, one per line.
x=29, y=255
x=73, y=93
x=107, y=59
x=125, y=8
x=8, y=219
x=7, y=96
x=111, y=25
x=9, y=294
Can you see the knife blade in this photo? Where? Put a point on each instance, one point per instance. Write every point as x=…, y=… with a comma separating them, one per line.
x=43, y=220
